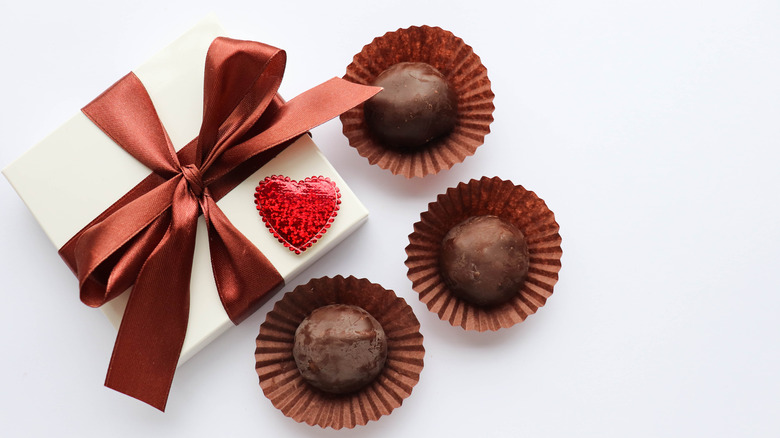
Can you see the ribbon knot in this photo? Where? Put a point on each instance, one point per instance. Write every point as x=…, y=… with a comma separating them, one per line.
x=194, y=179
x=147, y=238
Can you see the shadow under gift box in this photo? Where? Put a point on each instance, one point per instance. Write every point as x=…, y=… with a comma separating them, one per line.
x=77, y=172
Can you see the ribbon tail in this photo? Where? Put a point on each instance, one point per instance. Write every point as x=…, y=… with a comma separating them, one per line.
x=154, y=324
x=304, y=112
x=245, y=278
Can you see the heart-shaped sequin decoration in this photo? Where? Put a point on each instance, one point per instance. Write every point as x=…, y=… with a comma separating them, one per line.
x=297, y=213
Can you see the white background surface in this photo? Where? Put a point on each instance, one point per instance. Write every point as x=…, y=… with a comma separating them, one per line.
x=650, y=128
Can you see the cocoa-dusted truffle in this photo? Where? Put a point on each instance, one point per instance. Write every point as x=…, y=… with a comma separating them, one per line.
x=484, y=260
x=415, y=106
x=340, y=348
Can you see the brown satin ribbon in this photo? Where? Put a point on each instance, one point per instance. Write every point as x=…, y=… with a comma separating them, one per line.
x=147, y=238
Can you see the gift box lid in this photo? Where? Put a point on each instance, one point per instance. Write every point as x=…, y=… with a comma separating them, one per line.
x=77, y=172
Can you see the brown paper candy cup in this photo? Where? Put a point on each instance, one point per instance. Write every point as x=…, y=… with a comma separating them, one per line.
x=488, y=196
x=282, y=382
x=464, y=72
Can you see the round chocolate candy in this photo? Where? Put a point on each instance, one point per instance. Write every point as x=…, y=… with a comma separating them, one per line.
x=484, y=260
x=340, y=348
x=415, y=106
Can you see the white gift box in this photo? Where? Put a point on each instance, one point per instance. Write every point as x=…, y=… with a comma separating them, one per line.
x=62, y=185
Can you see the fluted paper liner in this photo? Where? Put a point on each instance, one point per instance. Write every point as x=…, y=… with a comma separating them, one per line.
x=465, y=74
x=488, y=196
x=282, y=382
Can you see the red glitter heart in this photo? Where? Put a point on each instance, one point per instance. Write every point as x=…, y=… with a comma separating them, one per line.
x=297, y=213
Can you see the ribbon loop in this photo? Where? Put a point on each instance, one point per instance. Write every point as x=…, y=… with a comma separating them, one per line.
x=147, y=237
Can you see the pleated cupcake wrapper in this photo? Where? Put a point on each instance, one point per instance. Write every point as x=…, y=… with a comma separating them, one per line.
x=282, y=383
x=464, y=72
x=487, y=196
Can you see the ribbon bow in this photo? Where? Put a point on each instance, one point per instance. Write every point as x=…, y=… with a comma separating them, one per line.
x=147, y=238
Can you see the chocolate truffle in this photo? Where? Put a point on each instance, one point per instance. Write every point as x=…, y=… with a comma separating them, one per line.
x=415, y=106
x=484, y=260
x=340, y=348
